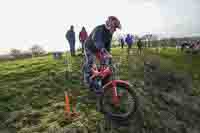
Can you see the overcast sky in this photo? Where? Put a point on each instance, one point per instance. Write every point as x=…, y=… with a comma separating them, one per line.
x=45, y=22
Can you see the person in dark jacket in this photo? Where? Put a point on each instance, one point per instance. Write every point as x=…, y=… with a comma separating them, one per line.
x=99, y=42
x=70, y=35
x=122, y=42
x=82, y=37
x=139, y=45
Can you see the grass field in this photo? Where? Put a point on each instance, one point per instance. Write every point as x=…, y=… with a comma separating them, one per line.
x=32, y=90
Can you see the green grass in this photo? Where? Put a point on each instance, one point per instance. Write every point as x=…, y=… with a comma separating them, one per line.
x=183, y=62
x=32, y=90
x=36, y=84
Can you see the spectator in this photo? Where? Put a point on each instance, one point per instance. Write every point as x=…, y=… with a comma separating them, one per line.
x=196, y=47
x=139, y=45
x=70, y=35
x=184, y=45
x=122, y=42
x=82, y=37
x=129, y=42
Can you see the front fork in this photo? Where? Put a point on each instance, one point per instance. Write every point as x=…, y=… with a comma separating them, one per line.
x=115, y=97
x=115, y=94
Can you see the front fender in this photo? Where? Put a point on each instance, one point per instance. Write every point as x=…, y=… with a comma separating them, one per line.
x=115, y=82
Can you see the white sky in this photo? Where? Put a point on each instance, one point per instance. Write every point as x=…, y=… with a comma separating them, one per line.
x=45, y=22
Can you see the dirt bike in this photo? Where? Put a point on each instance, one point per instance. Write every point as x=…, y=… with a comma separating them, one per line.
x=117, y=99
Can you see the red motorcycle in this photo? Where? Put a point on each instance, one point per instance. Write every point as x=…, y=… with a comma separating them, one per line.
x=118, y=99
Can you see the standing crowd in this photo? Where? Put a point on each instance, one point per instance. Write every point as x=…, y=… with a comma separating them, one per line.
x=70, y=36
x=129, y=40
x=83, y=36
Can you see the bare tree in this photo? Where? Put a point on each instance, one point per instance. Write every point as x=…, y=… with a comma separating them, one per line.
x=37, y=50
x=154, y=40
x=16, y=53
x=172, y=42
x=149, y=37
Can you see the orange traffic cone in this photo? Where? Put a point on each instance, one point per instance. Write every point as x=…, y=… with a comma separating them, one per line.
x=67, y=105
x=68, y=113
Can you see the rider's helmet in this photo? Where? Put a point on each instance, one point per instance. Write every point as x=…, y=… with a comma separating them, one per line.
x=113, y=22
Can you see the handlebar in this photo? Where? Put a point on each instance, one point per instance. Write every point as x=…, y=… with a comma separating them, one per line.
x=104, y=57
x=108, y=65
